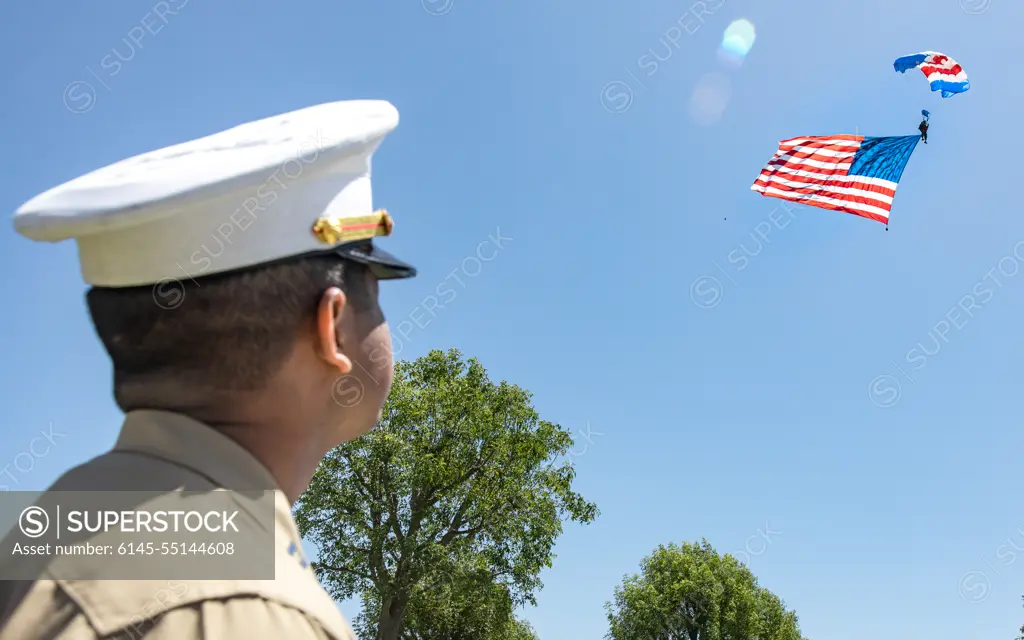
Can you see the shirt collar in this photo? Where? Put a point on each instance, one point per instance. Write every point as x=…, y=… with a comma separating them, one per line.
x=189, y=443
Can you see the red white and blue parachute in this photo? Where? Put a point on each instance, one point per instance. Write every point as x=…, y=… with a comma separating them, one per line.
x=944, y=73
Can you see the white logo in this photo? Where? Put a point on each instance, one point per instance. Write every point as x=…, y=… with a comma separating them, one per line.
x=33, y=522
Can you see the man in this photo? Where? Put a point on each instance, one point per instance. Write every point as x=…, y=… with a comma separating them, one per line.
x=234, y=286
x=923, y=128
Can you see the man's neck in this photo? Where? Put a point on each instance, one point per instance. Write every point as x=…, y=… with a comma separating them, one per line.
x=284, y=441
x=289, y=457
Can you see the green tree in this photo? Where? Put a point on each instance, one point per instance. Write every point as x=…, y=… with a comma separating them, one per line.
x=458, y=467
x=692, y=593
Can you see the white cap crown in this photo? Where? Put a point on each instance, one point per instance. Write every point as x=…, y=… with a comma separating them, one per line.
x=259, y=192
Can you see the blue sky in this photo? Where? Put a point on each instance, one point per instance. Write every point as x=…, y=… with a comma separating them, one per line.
x=717, y=407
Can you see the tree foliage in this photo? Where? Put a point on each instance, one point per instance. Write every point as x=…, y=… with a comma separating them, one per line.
x=692, y=593
x=461, y=474
x=457, y=603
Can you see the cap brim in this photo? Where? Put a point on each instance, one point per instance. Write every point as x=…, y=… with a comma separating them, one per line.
x=381, y=263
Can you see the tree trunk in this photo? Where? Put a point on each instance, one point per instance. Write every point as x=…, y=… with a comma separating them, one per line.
x=390, y=623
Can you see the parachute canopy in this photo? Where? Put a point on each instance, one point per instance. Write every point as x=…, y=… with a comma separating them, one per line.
x=944, y=73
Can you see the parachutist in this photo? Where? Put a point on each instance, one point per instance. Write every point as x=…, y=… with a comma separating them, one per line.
x=923, y=128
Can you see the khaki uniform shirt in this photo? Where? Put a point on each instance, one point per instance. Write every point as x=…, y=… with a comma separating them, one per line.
x=158, y=449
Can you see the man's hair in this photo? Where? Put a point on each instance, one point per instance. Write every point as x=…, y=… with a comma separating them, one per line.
x=221, y=333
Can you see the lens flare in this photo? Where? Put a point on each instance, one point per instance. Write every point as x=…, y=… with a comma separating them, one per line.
x=737, y=40
x=710, y=99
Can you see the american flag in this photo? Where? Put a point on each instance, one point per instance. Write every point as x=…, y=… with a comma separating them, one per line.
x=851, y=173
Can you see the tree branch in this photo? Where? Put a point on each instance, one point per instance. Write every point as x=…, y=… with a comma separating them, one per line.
x=396, y=527
x=338, y=545
x=320, y=565
x=360, y=483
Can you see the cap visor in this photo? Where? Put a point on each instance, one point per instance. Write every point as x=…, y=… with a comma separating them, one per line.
x=381, y=263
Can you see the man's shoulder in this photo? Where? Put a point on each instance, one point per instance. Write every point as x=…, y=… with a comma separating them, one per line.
x=130, y=471
x=165, y=609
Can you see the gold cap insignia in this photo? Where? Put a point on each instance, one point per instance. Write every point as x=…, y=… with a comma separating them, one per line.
x=332, y=229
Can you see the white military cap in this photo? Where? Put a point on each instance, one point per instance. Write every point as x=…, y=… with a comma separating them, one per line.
x=285, y=186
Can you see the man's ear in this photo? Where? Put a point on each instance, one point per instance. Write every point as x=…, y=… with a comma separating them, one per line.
x=328, y=320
